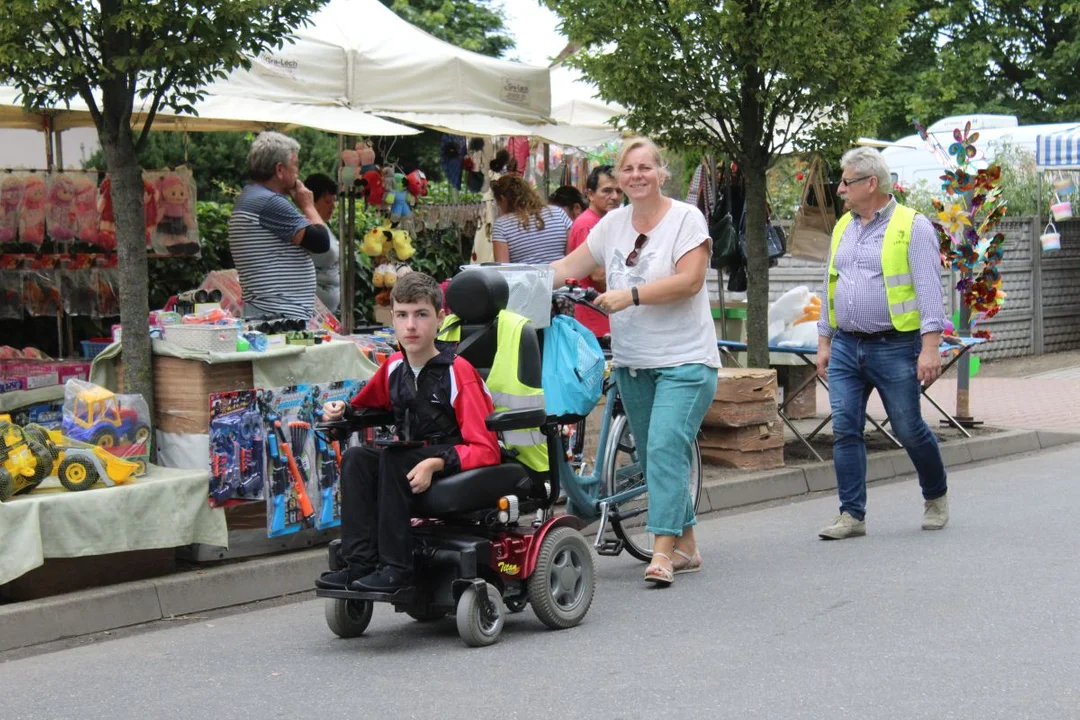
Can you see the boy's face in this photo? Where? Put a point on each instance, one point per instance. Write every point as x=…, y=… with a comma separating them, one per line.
x=416, y=325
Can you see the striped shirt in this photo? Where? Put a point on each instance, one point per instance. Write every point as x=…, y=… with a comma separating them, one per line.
x=277, y=277
x=532, y=246
x=861, y=303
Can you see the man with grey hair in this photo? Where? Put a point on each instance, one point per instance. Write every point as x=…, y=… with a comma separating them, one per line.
x=882, y=331
x=271, y=239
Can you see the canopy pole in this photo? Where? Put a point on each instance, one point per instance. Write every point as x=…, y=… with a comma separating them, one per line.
x=546, y=191
x=58, y=144
x=346, y=211
x=47, y=126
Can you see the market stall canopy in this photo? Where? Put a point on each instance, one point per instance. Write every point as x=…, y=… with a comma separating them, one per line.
x=1058, y=150
x=359, y=54
x=214, y=114
x=583, y=119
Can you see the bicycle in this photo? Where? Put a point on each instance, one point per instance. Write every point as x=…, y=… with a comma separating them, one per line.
x=615, y=491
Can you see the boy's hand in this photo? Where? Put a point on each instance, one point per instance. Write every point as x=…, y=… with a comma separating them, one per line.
x=420, y=476
x=333, y=410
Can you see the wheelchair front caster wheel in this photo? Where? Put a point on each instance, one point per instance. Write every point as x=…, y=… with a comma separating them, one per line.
x=480, y=617
x=348, y=618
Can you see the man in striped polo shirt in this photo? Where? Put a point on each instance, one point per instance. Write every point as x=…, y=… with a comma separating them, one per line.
x=271, y=239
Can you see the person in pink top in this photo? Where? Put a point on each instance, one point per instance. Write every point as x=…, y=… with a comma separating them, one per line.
x=603, y=193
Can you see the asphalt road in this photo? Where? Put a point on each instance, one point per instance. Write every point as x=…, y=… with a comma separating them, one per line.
x=981, y=620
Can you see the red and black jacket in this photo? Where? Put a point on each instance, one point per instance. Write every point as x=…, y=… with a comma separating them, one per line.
x=446, y=404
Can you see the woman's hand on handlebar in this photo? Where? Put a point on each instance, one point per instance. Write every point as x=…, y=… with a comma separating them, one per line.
x=333, y=411
x=614, y=300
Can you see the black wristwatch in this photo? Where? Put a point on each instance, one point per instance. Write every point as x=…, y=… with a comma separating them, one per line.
x=633, y=294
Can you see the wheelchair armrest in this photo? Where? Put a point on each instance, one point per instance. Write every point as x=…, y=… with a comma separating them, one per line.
x=371, y=417
x=515, y=419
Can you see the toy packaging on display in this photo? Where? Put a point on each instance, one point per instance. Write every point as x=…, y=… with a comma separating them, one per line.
x=119, y=424
x=294, y=458
x=236, y=448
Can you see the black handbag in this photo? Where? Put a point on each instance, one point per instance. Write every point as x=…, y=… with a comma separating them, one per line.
x=775, y=241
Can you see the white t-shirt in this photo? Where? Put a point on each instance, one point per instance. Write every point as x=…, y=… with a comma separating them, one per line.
x=656, y=336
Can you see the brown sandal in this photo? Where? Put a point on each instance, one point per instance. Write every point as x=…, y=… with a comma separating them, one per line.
x=687, y=564
x=658, y=574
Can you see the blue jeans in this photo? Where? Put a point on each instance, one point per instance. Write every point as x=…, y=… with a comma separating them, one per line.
x=890, y=365
x=665, y=407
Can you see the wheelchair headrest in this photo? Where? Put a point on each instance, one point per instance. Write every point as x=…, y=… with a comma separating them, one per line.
x=477, y=295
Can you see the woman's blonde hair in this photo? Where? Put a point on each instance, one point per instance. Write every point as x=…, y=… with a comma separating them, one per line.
x=636, y=143
x=521, y=199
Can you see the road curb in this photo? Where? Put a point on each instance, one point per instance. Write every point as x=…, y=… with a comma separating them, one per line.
x=133, y=603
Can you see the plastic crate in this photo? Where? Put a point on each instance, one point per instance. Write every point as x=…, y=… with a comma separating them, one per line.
x=204, y=338
x=92, y=348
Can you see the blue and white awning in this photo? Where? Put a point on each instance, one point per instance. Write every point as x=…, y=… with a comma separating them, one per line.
x=1058, y=150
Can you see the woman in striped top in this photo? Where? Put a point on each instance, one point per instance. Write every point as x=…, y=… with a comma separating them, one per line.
x=527, y=230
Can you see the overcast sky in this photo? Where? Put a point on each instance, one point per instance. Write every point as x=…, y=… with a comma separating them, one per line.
x=535, y=28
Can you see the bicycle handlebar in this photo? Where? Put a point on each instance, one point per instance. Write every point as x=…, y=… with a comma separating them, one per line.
x=579, y=295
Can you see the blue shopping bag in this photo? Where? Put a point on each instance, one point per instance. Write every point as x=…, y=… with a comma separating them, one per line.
x=573, y=373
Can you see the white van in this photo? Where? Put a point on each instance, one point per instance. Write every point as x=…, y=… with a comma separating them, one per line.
x=911, y=161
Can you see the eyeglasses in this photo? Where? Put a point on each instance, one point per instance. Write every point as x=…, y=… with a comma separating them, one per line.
x=848, y=183
x=631, y=259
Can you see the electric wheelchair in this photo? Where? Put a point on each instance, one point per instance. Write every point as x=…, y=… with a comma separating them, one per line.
x=486, y=542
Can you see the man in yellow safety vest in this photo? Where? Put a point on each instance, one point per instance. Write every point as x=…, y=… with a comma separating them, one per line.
x=882, y=331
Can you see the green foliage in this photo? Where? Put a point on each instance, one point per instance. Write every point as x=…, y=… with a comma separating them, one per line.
x=1013, y=57
x=219, y=160
x=746, y=79
x=474, y=25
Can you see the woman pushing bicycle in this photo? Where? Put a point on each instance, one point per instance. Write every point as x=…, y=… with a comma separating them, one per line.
x=656, y=253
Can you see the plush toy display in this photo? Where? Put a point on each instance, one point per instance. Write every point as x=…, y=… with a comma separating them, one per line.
x=374, y=243
x=416, y=184
x=397, y=198
x=372, y=188
x=384, y=276
x=367, y=157
x=11, y=192
x=350, y=168
x=32, y=211
x=86, y=214
x=106, y=236
x=60, y=215
x=402, y=243
x=174, y=219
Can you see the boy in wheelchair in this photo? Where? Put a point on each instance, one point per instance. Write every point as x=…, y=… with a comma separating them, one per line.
x=439, y=403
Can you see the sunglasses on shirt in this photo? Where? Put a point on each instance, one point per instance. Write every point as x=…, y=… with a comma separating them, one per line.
x=631, y=259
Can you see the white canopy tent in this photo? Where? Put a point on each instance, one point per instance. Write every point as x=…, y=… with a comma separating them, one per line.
x=360, y=55
x=583, y=119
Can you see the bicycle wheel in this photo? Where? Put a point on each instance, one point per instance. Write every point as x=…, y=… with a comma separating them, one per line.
x=621, y=473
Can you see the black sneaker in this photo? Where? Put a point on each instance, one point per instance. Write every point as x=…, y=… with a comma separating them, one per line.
x=384, y=580
x=340, y=579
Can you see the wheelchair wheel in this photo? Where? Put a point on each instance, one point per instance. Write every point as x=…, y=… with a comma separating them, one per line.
x=562, y=585
x=480, y=620
x=621, y=473
x=348, y=618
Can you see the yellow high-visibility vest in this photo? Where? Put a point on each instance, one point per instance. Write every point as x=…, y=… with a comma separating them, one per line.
x=507, y=390
x=899, y=283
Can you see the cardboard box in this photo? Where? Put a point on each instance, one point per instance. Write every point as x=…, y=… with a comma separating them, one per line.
x=760, y=460
x=752, y=438
x=745, y=385
x=182, y=389
x=740, y=414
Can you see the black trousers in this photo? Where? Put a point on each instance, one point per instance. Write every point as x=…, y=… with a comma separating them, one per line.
x=376, y=505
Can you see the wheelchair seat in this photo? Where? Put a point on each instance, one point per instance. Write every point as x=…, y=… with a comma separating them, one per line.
x=472, y=490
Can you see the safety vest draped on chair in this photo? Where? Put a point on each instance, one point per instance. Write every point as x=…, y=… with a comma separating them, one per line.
x=899, y=284
x=507, y=391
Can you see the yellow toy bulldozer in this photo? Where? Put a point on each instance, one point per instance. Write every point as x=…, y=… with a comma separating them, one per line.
x=31, y=454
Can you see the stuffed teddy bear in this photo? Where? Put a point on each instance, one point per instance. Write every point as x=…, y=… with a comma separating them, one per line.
x=402, y=269
x=397, y=199
x=32, y=211
x=11, y=192
x=60, y=215
x=383, y=276
x=402, y=243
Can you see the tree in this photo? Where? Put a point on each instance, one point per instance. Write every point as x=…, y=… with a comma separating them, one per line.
x=986, y=56
x=470, y=24
x=107, y=52
x=751, y=78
